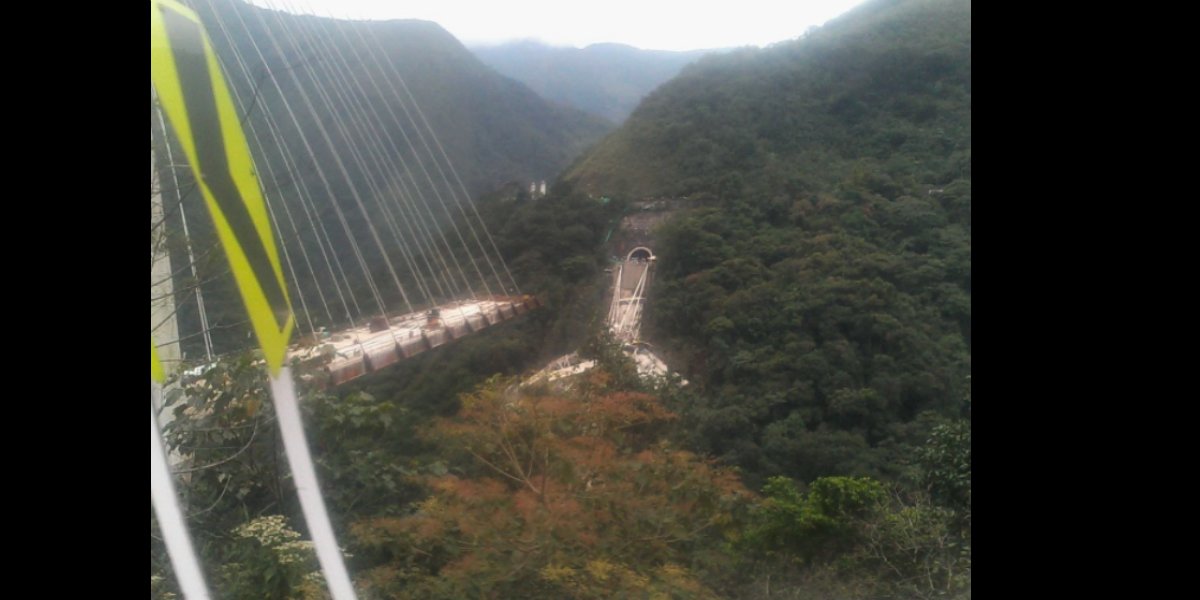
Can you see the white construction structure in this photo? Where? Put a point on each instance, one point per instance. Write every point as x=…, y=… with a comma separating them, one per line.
x=631, y=279
x=352, y=353
x=630, y=282
x=629, y=290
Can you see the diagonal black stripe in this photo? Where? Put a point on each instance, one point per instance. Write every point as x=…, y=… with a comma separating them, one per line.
x=187, y=46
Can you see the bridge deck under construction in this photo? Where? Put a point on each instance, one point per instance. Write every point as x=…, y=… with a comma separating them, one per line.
x=352, y=353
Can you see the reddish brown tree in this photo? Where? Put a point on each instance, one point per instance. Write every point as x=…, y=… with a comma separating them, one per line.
x=567, y=495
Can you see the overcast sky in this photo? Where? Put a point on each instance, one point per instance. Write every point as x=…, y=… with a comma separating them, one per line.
x=650, y=24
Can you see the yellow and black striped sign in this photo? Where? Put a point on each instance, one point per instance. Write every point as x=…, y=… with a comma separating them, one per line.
x=193, y=94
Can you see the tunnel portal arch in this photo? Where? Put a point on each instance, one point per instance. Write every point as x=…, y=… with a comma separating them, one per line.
x=640, y=253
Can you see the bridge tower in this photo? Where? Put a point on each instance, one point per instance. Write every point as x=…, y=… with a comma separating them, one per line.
x=163, y=324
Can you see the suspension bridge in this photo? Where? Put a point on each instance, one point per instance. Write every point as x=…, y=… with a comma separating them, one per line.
x=382, y=250
x=355, y=352
x=326, y=184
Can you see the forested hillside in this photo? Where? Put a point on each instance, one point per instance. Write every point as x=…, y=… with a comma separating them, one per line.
x=819, y=291
x=493, y=128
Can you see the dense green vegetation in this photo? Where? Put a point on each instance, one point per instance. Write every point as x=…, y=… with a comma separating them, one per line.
x=815, y=293
x=819, y=292
x=603, y=79
x=544, y=493
x=882, y=92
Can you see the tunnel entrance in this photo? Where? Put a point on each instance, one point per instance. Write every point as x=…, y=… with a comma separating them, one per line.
x=641, y=254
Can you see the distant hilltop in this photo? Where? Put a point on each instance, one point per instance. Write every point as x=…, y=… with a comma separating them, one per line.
x=607, y=79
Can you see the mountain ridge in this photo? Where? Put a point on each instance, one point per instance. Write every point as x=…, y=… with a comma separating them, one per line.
x=606, y=79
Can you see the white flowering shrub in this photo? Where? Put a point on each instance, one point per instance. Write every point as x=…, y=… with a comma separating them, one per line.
x=271, y=561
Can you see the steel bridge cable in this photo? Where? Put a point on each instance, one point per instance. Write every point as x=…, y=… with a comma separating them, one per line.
x=363, y=171
x=291, y=166
x=405, y=197
x=427, y=204
x=349, y=102
x=309, y=149
x=281, y=200
x=421, y=165
x=375, y=146
x=282, y=203
x=337, y=158
x=466, y=195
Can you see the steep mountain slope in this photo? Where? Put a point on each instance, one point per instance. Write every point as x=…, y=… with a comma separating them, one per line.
x=603, y=79
x=885, y=79
x=819, y=291
x=494, y=129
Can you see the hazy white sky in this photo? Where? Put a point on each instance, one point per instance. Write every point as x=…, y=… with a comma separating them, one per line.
x=650, y=24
